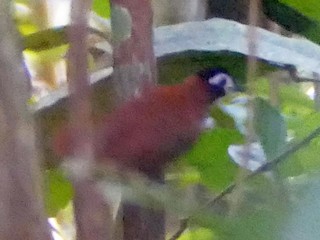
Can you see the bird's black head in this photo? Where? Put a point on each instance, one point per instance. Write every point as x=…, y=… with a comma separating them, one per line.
x=219, y=81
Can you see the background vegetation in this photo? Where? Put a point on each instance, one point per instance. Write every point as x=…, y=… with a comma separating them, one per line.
x=255, y=175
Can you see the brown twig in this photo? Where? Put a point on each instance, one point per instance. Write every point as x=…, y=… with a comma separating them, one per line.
x=22, y=214
x=254, y=10
x=91, y=211
x=182, y=228
x=134, y=63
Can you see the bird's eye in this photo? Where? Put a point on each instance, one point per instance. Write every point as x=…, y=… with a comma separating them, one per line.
x=222, y=82
x=219, y=79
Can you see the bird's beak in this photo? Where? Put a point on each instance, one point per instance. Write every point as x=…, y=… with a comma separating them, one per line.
x=236, y=88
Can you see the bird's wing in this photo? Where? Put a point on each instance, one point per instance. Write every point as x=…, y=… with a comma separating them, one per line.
x=159, y=124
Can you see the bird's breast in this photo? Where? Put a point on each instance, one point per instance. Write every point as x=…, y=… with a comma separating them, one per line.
x=151, y=131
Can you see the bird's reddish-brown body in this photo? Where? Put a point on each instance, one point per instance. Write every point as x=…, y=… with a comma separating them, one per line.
x=152, y=129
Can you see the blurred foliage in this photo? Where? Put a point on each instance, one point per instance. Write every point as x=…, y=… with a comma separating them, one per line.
x=173, y=69
x=270, y=127
x=297, y=16
x=46, y=44
x=58, y=191
x=311, y=9
x=199, y=233
x=46, y=39
x=101, y=7
x=23, y=17
x=211, y=159
x=301, y=118
x=260, y=224
x=304, y=215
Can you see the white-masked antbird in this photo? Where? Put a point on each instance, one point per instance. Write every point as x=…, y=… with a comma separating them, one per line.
x=157, y=126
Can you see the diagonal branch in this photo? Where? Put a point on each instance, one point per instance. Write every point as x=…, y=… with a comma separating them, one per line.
x=265, y=167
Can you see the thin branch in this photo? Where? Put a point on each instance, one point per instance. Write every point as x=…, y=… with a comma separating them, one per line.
x=37, y=41
x=266, y=167
x=252, y=44
x=183, y=227
x=91, y=211
x=317, y=92
x=274, y=82
x=22, y=213
x=269, y=165
x=134, y=64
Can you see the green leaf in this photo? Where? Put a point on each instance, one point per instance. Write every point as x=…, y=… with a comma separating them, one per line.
x=46, y=39
x=299, y=111
x=222, y=119
x=173, y=69
x=199, y=233
x=58, y=191
x=310, y=9
x=270, y=127
x=309, y=123
x=23, y=18
x=286, y=15
x=52, y=38
x=102, y=8
x=294, y=102
x=121, y=24
x=308, y=156
x=262, y=224
x=296, y=16
x=210, y=157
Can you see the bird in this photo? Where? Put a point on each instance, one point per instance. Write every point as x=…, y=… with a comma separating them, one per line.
x=152, y=129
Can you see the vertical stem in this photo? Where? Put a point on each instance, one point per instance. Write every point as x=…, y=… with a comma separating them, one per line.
x=274, y=92
x=316, y=86
x=254, y=10
x=91, y=211
x=134, y=60
x=22, y=213
x=274, y=82
x=134, y=64
x=46, y=69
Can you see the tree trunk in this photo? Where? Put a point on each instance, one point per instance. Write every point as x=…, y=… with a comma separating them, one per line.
x=21, y=207
x=91, y=210
x=134, y=64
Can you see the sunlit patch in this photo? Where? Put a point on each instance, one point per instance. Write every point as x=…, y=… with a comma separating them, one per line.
x=238, y=111
x=250, y=157
x=310, y=93
x=208, y=123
